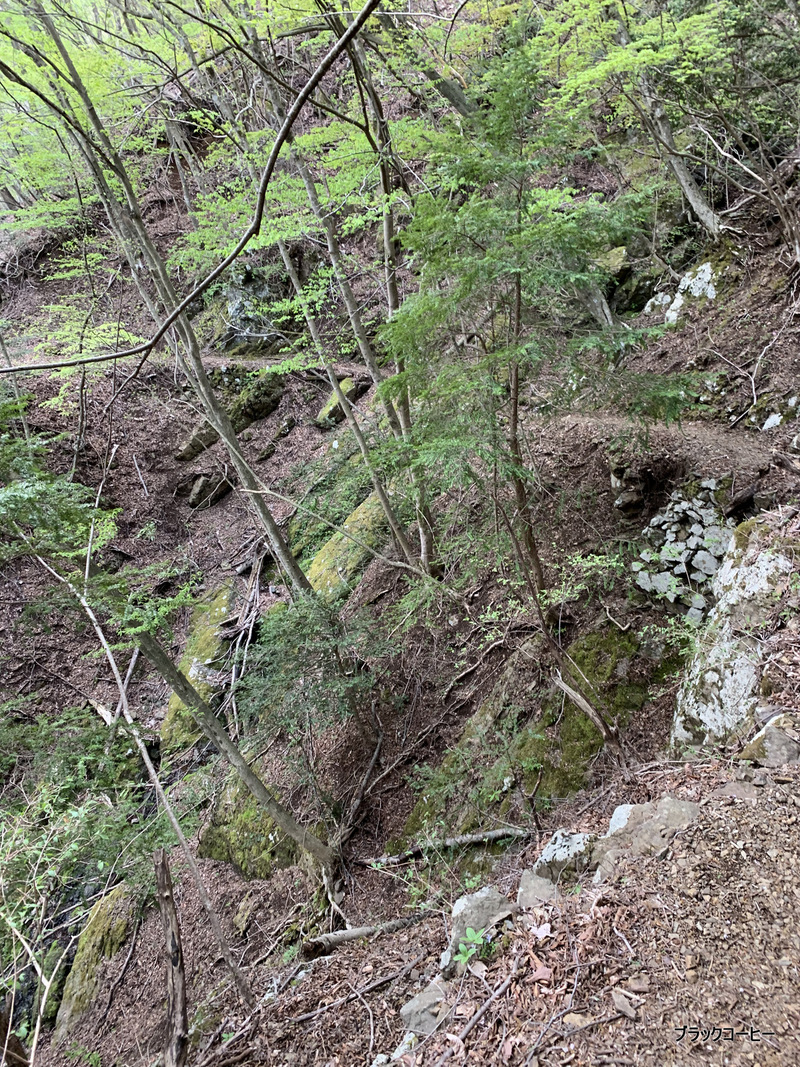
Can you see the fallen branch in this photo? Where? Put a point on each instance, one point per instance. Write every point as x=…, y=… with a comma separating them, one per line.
x=325, y=943
x=479, y=1014
x=608, y=733
x=485, y=837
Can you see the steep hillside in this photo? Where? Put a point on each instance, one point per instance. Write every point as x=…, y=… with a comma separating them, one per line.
x=399, y=470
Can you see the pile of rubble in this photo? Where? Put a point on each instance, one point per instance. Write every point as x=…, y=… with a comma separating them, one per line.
x=688, y=538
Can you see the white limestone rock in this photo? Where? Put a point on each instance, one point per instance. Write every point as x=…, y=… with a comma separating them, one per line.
x=720, y=693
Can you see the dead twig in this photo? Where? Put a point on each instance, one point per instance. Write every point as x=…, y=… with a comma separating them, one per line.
x=366, y=989
x=479, y=1014
x=484, y=837
x=325, y=943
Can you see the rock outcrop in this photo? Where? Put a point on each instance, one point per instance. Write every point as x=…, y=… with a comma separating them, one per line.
x=102, y=937
x=199, y=663
x=721, y=694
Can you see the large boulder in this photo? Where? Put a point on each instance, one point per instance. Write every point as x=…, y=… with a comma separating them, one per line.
x=339, y=563
x=102, y=937
x=200, y=662
x=248, y=398
x=721, y=694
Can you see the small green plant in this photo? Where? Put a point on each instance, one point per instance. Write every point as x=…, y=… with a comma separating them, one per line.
x=79, y=1054
x=471, y=945
x=147, y=532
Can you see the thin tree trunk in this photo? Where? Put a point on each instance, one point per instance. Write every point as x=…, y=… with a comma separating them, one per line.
x=214, y=731
x=661, y=129
x=238, y=977
x=176, y=1045
x=391, y=516
x=129, y=222
x=350, y=302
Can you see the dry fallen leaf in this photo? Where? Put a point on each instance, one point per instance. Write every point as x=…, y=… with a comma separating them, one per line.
x=622, y=1004
x=576, y=1019
x=541, y=974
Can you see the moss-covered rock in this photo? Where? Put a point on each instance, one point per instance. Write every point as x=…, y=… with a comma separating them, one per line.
x=342, y=558
x=247, y=397
x=331, y=411
x=336, y=491
x=204, y=648
x=102, y=937
x=241, y=833
x=53, y=958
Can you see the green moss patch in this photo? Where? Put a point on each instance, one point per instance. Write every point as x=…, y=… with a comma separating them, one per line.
x=204, y=649
x=336, y=493
x=241, y=833
x=331, y=411
x=102, y=937
x=338, y=564
x=505, y=750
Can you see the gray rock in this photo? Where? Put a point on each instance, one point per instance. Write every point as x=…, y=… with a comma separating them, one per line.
x=629, y=502
x=739, y=790
x=705, y=562
x=720, y=693
x=657, y=303
x=641, y=830
x=775, y=419
x=533, y=890
x=717, y=540
x=773, y=746
x=420, y=1015
x=709, y=483
x=644, y=581
x=477, y=911
x=562, y=851
x=663, y=583
x=207, y=490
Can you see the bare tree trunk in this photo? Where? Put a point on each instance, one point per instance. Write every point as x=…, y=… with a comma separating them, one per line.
x=350, y=302
x=128, y=222
x=661, y=130
x=177, y=1041
x=236, y=972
